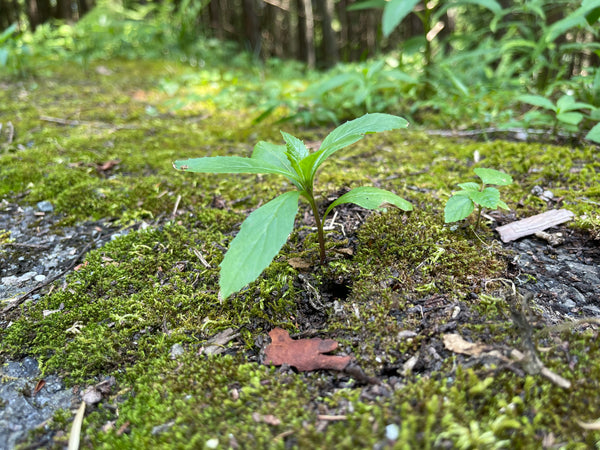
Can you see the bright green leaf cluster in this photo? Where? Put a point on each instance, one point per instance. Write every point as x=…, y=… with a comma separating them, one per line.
x=463, y=202
x=266, y=230
x=565, y=110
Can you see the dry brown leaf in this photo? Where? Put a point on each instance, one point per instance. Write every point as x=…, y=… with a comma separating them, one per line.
x=80, y=266
x=299, y=263
x=40, y=384
x=455, y=343
x=303, y=354
x=123, y=428
x=216, y=344
x=269, y=419
x=107, y=165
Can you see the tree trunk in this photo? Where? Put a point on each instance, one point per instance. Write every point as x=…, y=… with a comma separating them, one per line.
x=251, y=26
x=309, y=32
x=328, y=43
x=214, y=11
x=342, y=12
x=82, y=8
x=63, y=10
x=38, y=12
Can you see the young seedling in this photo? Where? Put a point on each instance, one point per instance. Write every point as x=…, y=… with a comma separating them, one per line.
x=462, y=203
x=266, y=230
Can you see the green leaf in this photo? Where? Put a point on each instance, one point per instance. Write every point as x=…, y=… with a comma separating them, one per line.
x=488, y=198
x=568, y=103
x=368, y=4
x=457, y=82
x=333, y=83
x=353, y=131
x=594, y=134
x=593, y=16
x=537, y=100
x=578, y=18
x=492, y=176
x=502, y=205
x=571, y=118
x=457, y=208
x=260, y=238
x=295, y=148
x=492, y=5
x=272, y=154
x=230, y=164
x=3, y=57
x=8, y=33
x=370, y=198
x=395, y=11
x=398, y=75
x=469, y=186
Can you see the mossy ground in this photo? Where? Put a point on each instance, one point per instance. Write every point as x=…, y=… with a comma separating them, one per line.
x=137, y=296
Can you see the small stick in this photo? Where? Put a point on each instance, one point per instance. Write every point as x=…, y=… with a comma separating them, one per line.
x=18, y=244
x=11, y=131
x=176, y=206
x=331, y=417
x=76, y=123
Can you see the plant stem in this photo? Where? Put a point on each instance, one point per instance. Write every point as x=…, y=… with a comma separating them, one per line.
x=313, y=204
x=478, y=217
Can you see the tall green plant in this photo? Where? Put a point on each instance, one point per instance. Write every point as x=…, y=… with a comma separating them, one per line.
x=266, y=230
x=429, y=13
x=534, y=37
x=13, y=52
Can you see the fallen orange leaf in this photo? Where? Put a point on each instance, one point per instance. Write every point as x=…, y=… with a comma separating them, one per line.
x=40, y=384
x=303, y=354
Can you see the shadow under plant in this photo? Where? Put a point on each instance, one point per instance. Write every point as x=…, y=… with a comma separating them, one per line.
x=143, y=307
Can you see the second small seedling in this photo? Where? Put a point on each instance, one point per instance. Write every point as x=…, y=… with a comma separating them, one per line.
x=463, y=202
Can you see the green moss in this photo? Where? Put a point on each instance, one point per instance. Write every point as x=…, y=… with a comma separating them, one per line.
x=140, y=294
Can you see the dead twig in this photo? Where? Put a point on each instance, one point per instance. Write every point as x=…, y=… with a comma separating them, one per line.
x=10, y=129
x=95, y=124
x=174, y=213
x=18, y=244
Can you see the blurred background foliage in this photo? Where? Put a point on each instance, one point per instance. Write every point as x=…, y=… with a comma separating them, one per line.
x=453, y=64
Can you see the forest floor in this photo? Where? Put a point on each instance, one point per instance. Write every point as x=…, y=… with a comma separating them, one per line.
x=109, y=283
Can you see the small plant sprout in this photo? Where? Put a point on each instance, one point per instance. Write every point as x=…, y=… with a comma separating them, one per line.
x=462, y=203
x=267, y=229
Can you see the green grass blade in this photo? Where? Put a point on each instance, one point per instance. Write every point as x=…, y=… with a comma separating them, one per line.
x=260, y=238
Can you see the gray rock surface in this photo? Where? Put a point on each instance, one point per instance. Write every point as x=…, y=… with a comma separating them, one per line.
x=23, y=409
